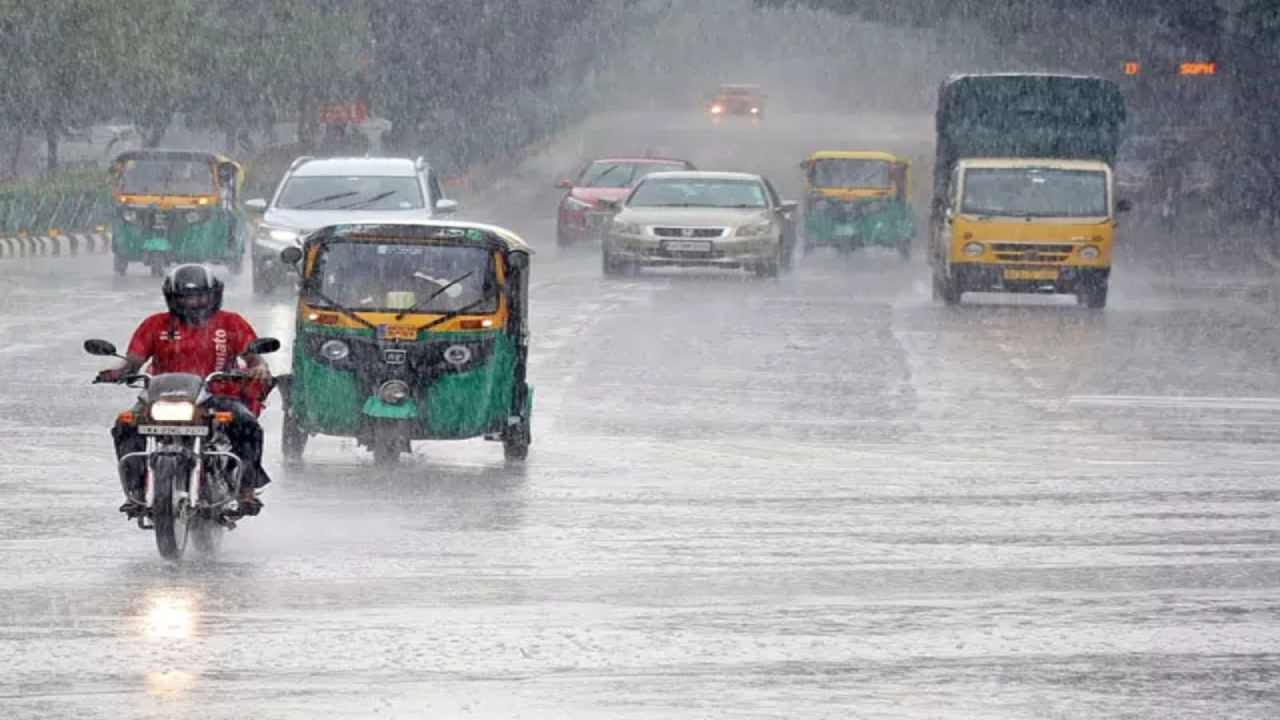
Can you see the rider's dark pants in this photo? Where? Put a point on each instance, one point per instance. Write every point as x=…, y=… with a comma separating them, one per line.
x=244, y=432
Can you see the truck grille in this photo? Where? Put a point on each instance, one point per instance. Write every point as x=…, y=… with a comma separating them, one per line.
x=1032, y=252
x=675, y=232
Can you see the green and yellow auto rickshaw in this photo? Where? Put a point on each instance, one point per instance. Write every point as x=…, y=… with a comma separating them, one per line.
x=856, y=199
x=409, y=330
x=176, y=206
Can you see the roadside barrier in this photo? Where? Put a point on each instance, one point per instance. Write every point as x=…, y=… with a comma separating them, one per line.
x=24, y=246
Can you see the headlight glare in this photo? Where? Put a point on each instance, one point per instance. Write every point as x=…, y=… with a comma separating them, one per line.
x=973, y=249
x=335, y=350
x=173, y=411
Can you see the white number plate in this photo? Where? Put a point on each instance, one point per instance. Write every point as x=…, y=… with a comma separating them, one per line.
x=688, y=246
x=193, y=430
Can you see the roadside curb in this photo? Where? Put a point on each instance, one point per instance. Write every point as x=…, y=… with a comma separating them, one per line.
x=54, y=245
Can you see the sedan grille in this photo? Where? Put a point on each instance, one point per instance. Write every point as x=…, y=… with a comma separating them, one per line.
x=676, y=232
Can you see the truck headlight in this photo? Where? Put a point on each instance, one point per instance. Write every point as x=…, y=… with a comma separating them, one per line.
x=173, y=411
x=754, y=230
x=1090, y=252
x=973, y=249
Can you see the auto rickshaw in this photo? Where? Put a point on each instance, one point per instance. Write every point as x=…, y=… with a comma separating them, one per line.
x=409, y=330
x=175, y=207
x=856, y=199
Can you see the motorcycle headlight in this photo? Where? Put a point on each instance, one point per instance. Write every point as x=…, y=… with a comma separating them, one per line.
x=334, y=350
x=626, y=228
x=973, y=249
x=393, y=392
x=173, y=411
x=754, y=230
x=1090, y=252
x=716, y=109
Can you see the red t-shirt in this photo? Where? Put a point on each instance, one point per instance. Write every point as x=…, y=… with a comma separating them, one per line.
x=174, y=346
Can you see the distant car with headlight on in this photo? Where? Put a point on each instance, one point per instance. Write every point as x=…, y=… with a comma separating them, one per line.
x=737, y=99
x=581, y=215
x=316, y=192
x=701, y=219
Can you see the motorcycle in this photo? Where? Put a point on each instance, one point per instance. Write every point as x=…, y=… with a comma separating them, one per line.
x=193, y=478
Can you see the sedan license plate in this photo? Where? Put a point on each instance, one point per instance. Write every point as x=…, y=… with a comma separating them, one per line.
x=187, y=430
x=1049, y=274
x=401, y=332
x=698, y=246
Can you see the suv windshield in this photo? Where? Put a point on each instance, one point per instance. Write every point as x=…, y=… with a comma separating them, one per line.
x=850, y=172
x=1035, y=192
x=698, y=193
x=389, y=277
x=350, y=192
x=161, y=176
x=611, y=174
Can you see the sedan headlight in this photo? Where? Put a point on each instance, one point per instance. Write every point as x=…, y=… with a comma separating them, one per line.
x=754, y=230
x=1090, y=252
x=626, y=228
x=173, y=411
x=393, y=392
x=973, y=249
x=334, y=350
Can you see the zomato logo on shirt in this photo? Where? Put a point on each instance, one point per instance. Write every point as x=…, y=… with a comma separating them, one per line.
x=173, y=346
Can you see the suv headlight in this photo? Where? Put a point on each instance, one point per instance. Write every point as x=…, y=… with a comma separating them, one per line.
x=278, y=235
x=755, y=230
x=626, y=228
x=172, y=411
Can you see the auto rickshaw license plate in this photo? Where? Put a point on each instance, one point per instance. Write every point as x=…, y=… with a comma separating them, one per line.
x=1050, y=274
x=400, y=332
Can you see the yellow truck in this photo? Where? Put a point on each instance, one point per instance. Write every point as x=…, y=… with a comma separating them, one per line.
x=1023, y=193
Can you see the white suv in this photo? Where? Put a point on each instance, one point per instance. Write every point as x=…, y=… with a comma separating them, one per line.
x=316, y=192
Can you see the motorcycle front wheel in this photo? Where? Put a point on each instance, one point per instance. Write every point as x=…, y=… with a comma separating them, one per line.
x=170, y=511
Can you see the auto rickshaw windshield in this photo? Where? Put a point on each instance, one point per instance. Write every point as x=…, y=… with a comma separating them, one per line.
x=849, y=173
x=165, y=176
x=386, y=277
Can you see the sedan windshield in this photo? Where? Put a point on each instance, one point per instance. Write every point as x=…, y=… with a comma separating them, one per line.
x=390, y=277
x=611, y=174
x=160, y=176
x=849, y=173
x=350, y=192
x=1035, y=192
x=687, y=192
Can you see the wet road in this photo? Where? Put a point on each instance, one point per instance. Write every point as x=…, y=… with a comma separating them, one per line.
x=822, y=496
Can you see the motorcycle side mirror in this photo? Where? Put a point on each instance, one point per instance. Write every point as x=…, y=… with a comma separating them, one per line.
x=100, y=347
x=290, y=256
x=263, y=345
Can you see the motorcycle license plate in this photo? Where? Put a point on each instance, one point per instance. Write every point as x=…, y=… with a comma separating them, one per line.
x=701, y=246
x=188, y=430
x=1031, y=274
x=401, y=332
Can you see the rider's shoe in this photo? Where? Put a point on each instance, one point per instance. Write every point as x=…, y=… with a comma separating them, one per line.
x=249, y=502
x=133, y=509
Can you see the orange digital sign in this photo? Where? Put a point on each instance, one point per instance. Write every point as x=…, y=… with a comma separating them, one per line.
x=1198, y=68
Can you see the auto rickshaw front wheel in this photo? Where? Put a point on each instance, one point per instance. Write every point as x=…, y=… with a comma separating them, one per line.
x=387, y=443
x=516, y=440
x=293, y=439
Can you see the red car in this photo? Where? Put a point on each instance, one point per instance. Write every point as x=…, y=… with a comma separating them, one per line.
x=581, y=217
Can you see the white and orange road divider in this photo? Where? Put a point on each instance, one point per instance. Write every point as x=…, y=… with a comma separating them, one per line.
x=55, y=243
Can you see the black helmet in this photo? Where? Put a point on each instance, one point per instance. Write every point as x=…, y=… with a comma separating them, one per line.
x=184, y=288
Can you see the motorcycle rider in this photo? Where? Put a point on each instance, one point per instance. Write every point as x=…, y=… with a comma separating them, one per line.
x=197, y=336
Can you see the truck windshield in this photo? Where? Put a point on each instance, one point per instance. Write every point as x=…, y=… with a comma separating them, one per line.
x=1035, y=192
x=386, y=277
x=850, y=173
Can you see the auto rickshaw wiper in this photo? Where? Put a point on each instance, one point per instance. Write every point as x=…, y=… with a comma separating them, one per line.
x=436, y=294
x=326, y=198
x=455, y=313
x=366, y=201
x=349, y=313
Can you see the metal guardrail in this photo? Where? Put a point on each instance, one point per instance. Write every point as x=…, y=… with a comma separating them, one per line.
x=26, y=212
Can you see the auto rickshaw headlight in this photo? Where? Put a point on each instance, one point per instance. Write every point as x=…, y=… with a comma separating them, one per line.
x=393, y=392
x=173, y=411
x=973, y=249
x=193, y=216
x=335, y=350
x=129, y=215
x=1090, y=252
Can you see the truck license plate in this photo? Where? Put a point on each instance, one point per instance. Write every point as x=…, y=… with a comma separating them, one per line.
x=1049, y=274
